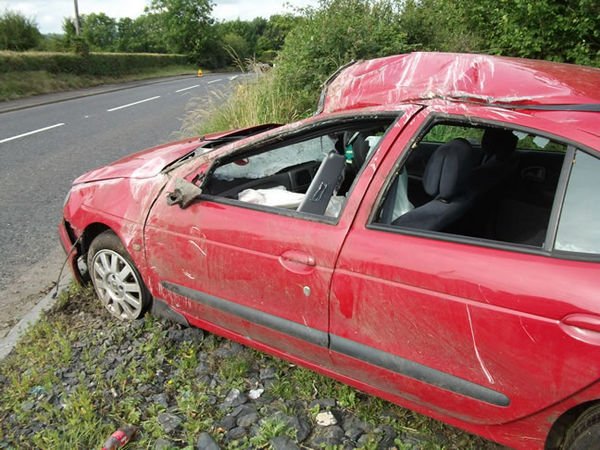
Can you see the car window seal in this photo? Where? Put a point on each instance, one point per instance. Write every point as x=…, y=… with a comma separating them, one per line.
x=460, y=239
x=274, y=210
x=559, y=198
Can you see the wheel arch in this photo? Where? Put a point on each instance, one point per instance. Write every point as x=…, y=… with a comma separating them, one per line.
x=561, y=425
x=89, y=234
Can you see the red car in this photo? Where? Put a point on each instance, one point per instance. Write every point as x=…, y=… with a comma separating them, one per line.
x=430, y=236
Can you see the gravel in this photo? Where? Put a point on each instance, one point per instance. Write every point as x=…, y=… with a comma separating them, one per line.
x=191, y=401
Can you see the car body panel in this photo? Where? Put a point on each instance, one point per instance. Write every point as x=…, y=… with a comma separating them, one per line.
x=494, y=339
x=486, y=315
x=213, y=249
x=468, y=78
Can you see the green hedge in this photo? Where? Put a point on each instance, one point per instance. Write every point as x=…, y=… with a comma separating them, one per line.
x=111, y=64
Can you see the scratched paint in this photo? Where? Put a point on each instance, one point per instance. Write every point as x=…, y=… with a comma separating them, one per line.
x=486, y=372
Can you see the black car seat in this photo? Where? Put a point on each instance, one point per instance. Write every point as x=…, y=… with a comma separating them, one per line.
x=446, y=179
x=360, y=149
x=500, y=160
x=324, y=185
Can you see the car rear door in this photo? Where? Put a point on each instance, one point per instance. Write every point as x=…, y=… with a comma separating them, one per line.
x=250, y=272
x=456, y=327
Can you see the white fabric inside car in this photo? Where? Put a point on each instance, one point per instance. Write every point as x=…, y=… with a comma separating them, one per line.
x=402, y=204
x=276, y=196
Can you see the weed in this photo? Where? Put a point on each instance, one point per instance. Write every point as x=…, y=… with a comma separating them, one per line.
x=270, y=428
x=233, y=369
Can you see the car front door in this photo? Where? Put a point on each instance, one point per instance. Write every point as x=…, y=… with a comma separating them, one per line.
x=254, y=272
x=455, y=326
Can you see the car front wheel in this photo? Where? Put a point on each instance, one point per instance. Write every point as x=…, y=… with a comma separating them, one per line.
x=116, y=280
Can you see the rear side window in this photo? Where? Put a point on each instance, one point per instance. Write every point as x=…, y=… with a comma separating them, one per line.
x=478, y=181
x=579, y=226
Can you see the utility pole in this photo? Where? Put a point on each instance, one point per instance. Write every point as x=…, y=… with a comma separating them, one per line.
x=77, y=24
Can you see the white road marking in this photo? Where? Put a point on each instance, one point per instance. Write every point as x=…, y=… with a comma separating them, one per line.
x=185, y=89
x=233, y=77
x=132, y=104
x=214, y=81
x=31, y=132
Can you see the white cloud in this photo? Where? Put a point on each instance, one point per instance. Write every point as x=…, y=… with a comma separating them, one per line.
x=49, y=14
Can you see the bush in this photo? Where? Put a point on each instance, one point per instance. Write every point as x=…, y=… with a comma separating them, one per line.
x=98, y=64
x=17, y=32
x=338, y=31
x=333, y=35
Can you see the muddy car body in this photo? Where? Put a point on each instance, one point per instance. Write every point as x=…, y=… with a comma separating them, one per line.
x=430, y=236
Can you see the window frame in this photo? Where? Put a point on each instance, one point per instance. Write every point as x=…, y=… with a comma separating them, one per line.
x=309, y=131
x=547, y=250
x=566, y=254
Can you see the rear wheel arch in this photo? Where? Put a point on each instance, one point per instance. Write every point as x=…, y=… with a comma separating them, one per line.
x=562, y=426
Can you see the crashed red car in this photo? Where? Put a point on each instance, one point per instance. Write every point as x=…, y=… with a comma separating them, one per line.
x=430, y=236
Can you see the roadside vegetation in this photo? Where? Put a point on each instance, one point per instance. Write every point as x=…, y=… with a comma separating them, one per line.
x=23, y=74
x=308, y=44
x=171, y=36
x=14, y=85
x=78, y=375
x=338, y=31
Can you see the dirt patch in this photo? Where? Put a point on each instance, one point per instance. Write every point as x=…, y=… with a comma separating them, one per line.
x=24, y=292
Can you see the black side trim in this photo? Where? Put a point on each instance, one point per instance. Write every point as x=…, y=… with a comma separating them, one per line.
x=261, y=318
x=161, y=309
x=417, y=371
x=347, y=347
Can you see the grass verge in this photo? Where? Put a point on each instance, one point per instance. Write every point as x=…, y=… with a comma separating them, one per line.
x=263, y=99
x=78, y=375
x=14, y=85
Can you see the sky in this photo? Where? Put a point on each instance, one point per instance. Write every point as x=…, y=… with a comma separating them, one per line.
x=48, y=14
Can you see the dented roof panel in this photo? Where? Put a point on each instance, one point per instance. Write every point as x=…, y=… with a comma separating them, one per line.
x=484, y=79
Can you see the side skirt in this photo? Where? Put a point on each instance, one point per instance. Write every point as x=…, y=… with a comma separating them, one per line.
x=347, y=347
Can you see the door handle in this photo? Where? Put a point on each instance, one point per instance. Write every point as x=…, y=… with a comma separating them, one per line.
x=534, y=173
x=299, y=257
x=583, y=327
x=297, y=261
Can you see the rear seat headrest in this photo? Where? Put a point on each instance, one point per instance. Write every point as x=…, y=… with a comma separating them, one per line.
x=499, y=143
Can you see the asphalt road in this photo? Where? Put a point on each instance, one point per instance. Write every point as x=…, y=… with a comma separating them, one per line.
x=43, y=148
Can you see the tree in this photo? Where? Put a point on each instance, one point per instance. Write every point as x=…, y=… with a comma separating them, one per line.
x=235, y=43
x=142, y=35
x=278, y=27
x=186, y=24
x=18, y=32
x=544, y=29
x=332, y=35
x=100, y=31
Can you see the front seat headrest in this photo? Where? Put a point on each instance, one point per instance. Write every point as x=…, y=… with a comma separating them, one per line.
x=448, y=170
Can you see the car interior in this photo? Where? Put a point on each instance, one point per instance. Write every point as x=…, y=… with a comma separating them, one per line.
x=478, y=181
x=311, y=173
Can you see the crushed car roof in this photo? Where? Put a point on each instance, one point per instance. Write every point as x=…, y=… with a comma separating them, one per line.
x=545, y=87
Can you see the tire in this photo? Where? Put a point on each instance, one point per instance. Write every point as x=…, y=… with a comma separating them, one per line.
x=584, y=434
x=117, y=282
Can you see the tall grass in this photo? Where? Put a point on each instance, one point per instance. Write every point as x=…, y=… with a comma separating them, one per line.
x=257, y=99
